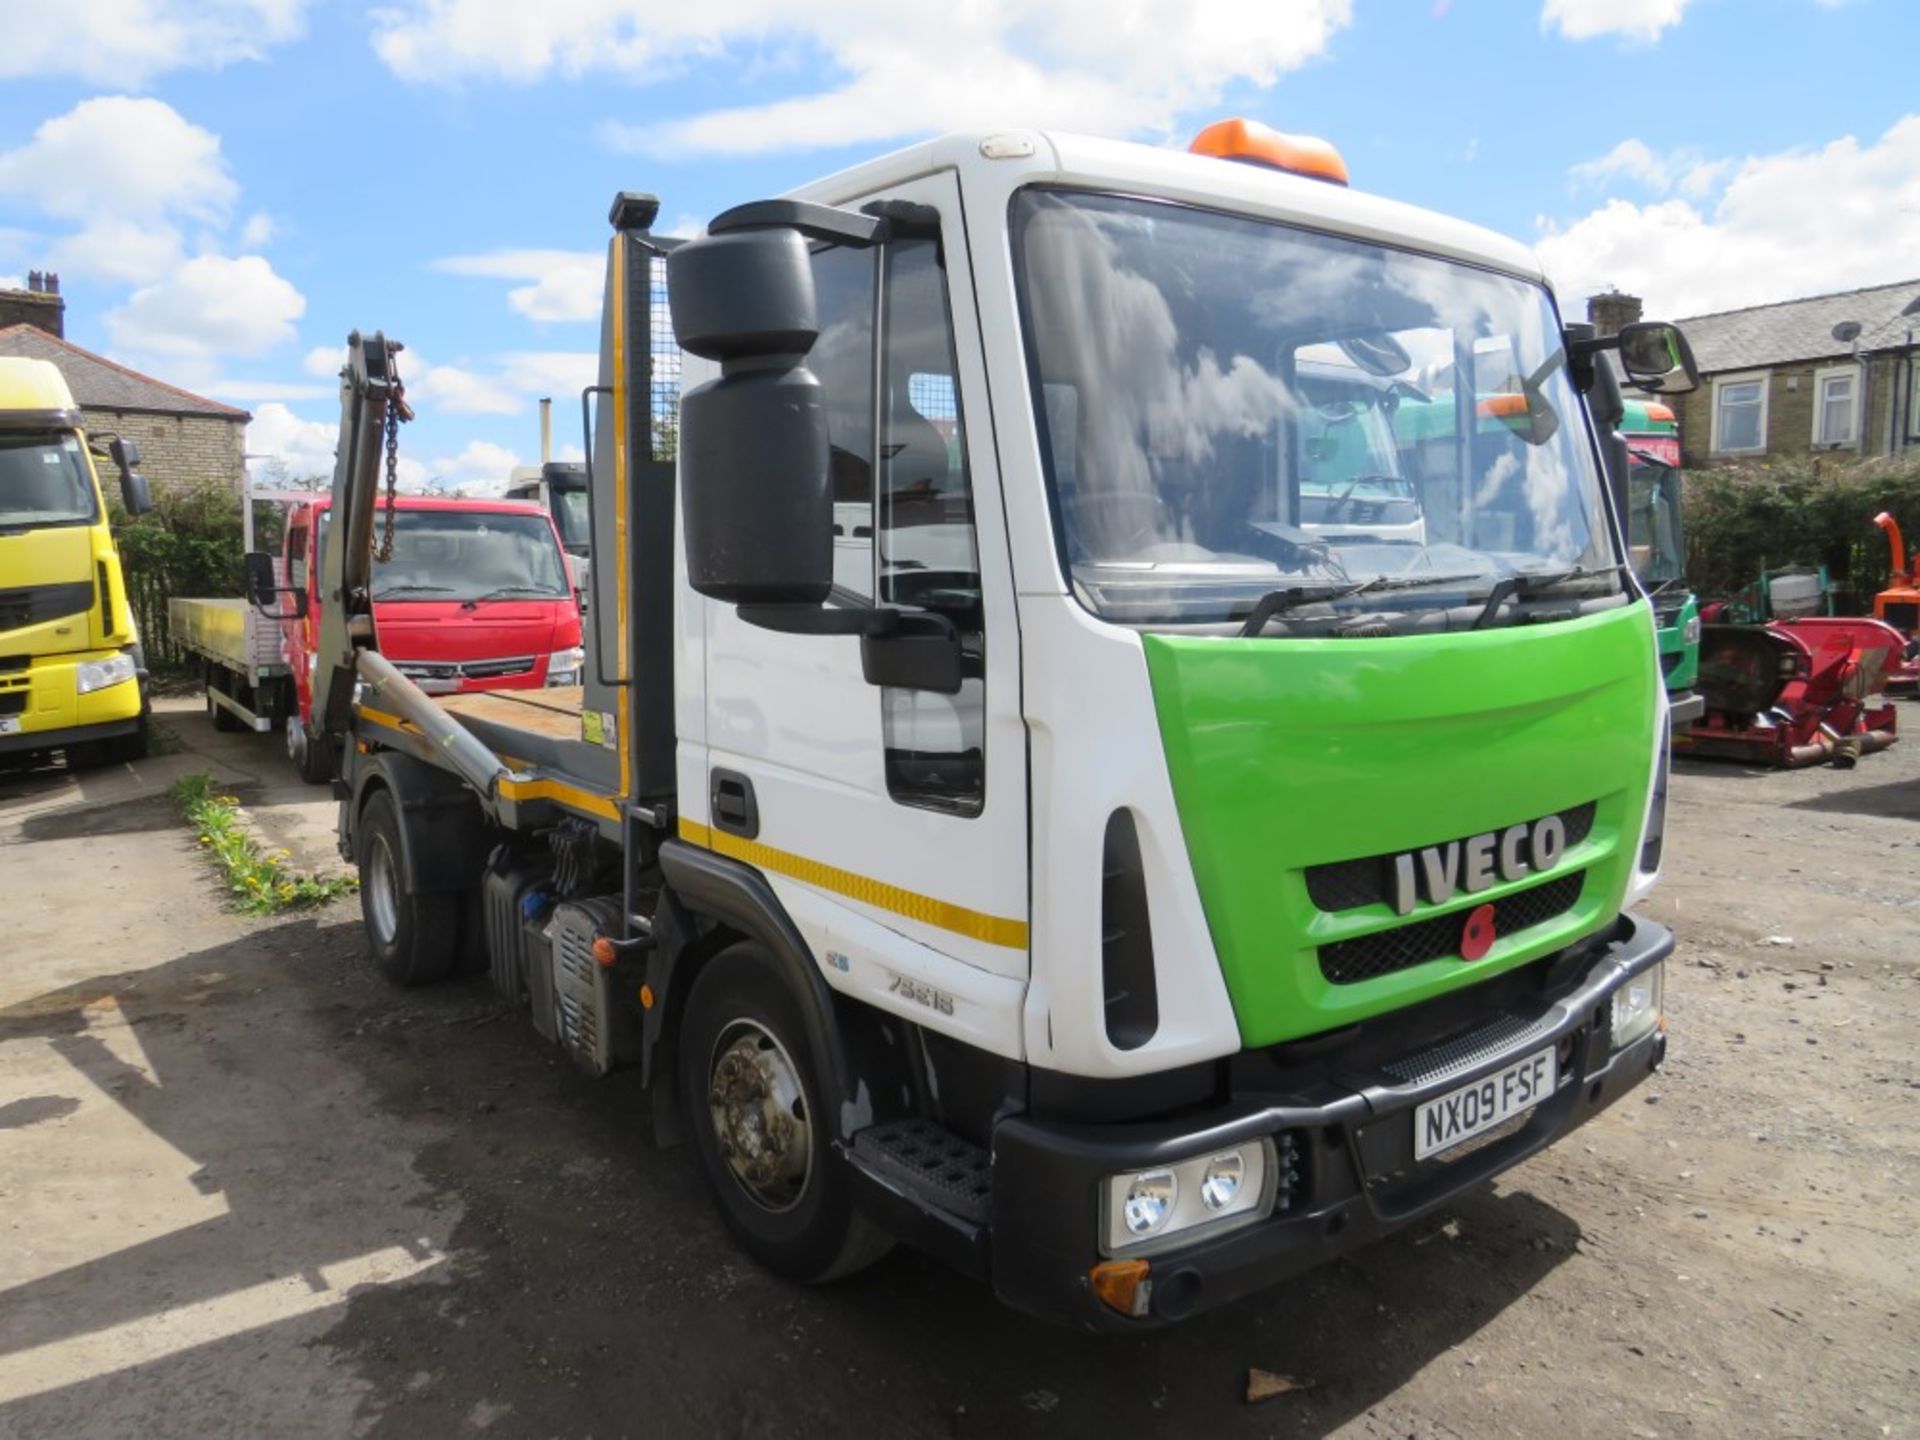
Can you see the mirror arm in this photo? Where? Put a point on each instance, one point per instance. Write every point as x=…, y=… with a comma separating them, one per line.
x=1580, y=356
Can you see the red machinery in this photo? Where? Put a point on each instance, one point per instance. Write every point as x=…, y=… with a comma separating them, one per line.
x=1899, y=606
x=1794, y=692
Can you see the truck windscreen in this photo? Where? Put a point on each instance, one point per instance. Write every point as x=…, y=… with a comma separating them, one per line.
x=44, y=481
x=1219, y=398
x=467, y=555
x=570, y=515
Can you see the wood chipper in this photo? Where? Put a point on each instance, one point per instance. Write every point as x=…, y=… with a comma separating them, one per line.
x=1899, y=606
x=1794, y=692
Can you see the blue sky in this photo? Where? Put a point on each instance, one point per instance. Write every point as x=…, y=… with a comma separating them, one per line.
x=227, y=186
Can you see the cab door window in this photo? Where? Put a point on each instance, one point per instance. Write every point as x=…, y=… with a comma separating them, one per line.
x=927, y=555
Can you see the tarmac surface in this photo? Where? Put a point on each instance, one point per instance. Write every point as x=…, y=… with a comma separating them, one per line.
x=246, y=1188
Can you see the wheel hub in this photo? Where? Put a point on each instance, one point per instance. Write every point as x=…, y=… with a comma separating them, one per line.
x=759, y=1115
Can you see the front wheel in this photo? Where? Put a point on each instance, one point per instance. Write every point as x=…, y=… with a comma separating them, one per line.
x=413, y=935
x=758, y=1111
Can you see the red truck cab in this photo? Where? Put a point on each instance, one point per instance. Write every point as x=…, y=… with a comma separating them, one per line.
x=477, y=595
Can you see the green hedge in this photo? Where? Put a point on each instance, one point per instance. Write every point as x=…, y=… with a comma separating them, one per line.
x=1742, y=519
x=188, y=544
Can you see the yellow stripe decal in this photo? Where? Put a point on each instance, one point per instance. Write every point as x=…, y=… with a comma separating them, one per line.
x=519, y=791
x=993, y=929
x=623, y=696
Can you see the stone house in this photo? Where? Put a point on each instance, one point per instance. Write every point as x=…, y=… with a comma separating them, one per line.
x=184, y=438
x=1830, y=374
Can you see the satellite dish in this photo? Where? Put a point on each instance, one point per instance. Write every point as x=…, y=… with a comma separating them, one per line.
x=1847, y=331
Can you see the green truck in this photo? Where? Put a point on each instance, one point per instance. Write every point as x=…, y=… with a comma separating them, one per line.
x=1655, y=541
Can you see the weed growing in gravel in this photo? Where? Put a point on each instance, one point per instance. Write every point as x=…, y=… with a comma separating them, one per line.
x=259, y=879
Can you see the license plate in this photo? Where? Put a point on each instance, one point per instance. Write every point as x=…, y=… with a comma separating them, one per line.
x=9, y=724
x=1461, y=1114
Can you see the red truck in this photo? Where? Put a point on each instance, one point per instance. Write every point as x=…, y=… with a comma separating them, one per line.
x=476, y=595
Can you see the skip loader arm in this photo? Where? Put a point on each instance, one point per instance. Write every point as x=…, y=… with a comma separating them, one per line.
x=372, y=405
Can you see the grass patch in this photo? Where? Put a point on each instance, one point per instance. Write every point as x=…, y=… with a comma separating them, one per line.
x=259, y=879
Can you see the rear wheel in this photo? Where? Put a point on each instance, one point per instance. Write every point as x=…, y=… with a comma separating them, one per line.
x=414, y=935
x=758, y=1109
x=311, y=756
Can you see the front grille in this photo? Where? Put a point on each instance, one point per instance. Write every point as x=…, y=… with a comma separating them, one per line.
x=1349, y=884
x=13, y=702
x=465, y=669
x=1348, y=962
x=32, y=604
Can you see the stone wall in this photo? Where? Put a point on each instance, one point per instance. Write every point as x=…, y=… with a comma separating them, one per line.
x=1790, y=402
x=178, y=450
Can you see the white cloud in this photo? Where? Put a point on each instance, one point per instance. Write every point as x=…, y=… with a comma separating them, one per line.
x=132, y=156
x=248, y=391
x=1641, y=20
x=561, y=374
x=1767, y=227
x=210, y=305
x=481, y=467
x=258, y=232
x=325, y=361
x=127, y=42
x=566, y=284
x=127, y=171
x=1112, y=66
x=456, y=390
x=1685, y=170
x=304, y=447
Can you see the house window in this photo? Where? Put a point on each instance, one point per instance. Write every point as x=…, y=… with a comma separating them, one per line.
x=1740, y=415
x=1836, y=406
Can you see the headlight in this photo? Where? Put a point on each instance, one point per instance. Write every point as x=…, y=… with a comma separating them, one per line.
x=92, y=675
x=564, y=666
x=1636, y=1007
x=1220, y=1189
x=1690, y=632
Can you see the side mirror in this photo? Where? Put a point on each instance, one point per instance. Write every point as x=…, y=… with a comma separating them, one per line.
x=263, y=586
x=756, y=491
x=135, y=496
x=1657, y=359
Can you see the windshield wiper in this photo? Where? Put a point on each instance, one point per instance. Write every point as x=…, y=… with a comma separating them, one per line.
x=408, y=590
x=500, y=590
x=1526, y=583
x=1279, y=602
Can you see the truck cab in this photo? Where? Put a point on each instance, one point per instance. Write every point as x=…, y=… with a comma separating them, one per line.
x=1656, y=542
x=998, y=816
x=72, y=672
x=560, y=488
x=474, y=596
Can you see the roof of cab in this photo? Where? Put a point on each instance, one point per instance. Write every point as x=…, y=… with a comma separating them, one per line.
x=33, y=385
x=1177, y=174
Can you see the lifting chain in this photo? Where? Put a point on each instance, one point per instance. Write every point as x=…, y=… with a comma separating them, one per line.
x=397, y=410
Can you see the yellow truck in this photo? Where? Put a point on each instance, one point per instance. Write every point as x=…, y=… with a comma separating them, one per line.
x=72, y=674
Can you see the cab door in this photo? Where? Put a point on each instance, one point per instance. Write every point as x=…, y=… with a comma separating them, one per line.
x=892, y=822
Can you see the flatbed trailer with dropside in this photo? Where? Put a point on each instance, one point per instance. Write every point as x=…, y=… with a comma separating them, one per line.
x=1097, y=877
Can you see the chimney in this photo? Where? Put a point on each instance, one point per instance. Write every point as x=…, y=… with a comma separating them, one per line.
x=38, y=305
x=1611, y=312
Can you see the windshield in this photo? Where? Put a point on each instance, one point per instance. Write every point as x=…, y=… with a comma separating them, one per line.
x=465, y=555
x=570, y=514
x=1653, y=518
x=44, y=480
x=1232, y=407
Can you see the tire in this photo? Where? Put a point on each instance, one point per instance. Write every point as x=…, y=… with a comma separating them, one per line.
x=312, y=757
x=414, y=936
x=742, y=1036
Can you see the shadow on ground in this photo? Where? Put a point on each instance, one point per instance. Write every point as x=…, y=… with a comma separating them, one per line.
x=1898, y=800
x=590, y=1288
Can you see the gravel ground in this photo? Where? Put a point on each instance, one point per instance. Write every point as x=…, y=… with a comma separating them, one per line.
x=246, y=1188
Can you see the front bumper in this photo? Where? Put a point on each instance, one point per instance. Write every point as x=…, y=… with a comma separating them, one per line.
x=1685, y=706
x=1352, y=1144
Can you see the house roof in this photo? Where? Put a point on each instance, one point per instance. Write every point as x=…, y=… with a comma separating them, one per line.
x=1792, y=330
x=100, y=384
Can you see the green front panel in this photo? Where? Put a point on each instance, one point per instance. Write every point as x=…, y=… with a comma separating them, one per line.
x=1290, y=753
x=1679, y=661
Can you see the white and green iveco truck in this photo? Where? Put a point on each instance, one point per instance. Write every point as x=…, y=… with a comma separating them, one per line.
x=1002, y=815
